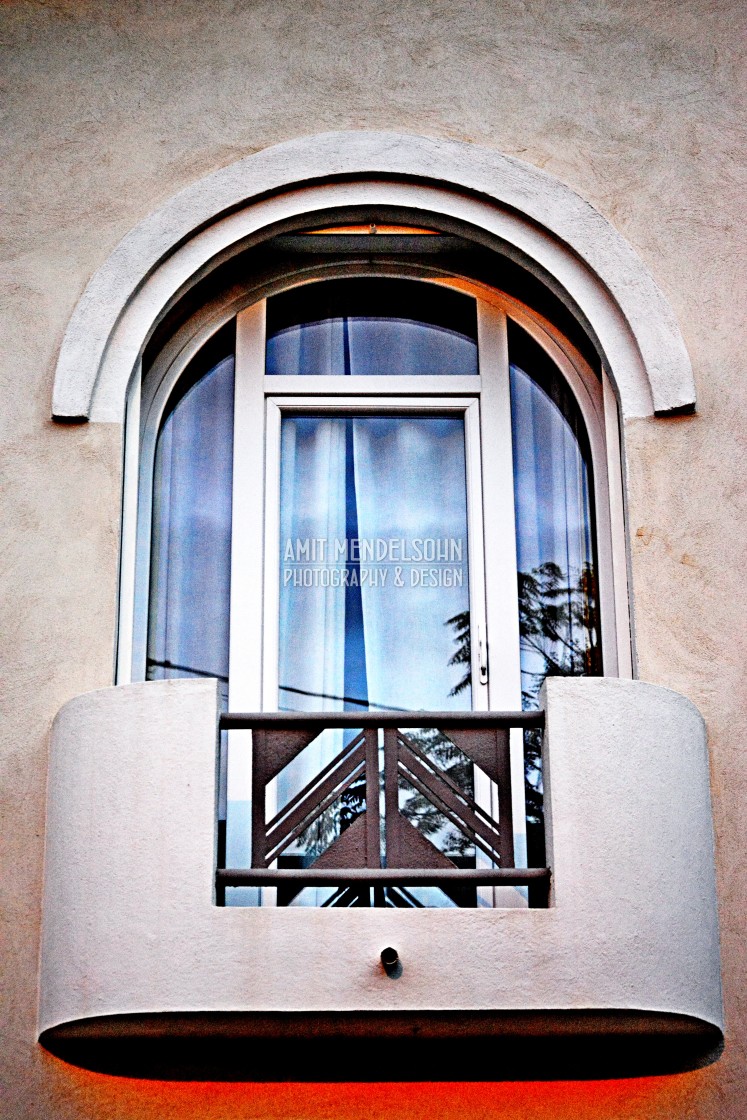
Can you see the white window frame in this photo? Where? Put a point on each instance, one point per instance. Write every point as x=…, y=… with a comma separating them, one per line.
x=319, y=404
x=259, y=401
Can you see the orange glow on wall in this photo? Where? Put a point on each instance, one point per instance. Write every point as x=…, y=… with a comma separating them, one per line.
x=645, y=1098
x=371, y=228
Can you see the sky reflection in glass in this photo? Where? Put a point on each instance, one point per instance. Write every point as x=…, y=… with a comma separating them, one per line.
x=558, y=606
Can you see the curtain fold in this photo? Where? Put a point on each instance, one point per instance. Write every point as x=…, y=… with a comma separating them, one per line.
x=554, y=537
x=374, y=583
x=191, y=543
x=411, y=487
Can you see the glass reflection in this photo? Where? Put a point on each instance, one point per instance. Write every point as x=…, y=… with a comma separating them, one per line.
x=374, y=600
x=555, y=535
x=191, y=541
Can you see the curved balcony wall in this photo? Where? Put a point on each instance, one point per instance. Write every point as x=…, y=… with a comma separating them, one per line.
x=142, y=972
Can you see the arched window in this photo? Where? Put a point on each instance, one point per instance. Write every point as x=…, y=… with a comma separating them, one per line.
x=375, y=489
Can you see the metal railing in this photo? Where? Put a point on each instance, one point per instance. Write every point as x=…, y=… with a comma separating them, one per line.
x=385, y=852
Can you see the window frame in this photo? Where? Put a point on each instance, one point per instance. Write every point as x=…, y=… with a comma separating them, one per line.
x=278, y=406
x=147, y=401
x=252, y=620
x=245, y=662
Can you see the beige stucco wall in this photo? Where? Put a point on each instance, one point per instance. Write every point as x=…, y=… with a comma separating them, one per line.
x=113, y=107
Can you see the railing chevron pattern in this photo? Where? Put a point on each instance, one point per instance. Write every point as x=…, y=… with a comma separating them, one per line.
x=368, y=856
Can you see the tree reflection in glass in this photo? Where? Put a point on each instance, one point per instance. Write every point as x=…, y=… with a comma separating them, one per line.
x=553, y=492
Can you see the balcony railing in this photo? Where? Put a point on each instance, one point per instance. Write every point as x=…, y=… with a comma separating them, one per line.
x=373, y=857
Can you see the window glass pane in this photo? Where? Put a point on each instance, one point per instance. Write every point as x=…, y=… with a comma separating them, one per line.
x=554, y=522
x=374, y=603
x=363, y=327
x=191, y=545
x=373, y=565
x=557, y=572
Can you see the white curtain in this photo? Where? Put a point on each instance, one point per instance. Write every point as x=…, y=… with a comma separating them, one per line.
x=191, y=547
x=406, y=484
x=410, y=489
x=312, y=509
x=553, y=509
x=411, y=486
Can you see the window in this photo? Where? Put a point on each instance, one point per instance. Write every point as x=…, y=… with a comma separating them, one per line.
x=376, y=493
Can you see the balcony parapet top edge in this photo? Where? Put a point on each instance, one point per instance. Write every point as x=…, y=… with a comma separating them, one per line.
x=244, y=721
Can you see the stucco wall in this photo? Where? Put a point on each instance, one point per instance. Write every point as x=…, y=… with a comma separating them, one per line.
x=112, y=108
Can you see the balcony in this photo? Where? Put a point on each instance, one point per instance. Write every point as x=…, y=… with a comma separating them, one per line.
x=142, y=972
x=381, y=754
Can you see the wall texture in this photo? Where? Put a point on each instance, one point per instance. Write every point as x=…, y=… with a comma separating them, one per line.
x=112, y=107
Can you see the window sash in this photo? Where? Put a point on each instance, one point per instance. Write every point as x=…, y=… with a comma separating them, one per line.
x=260, y=403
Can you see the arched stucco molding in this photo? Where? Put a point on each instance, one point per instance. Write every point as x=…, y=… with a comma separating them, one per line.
x=521, y=204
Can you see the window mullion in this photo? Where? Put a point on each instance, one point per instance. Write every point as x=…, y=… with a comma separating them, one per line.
x=499, y=517
x=501, y=583
x=245, y=644
x=614, y=604
x=247, y=513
